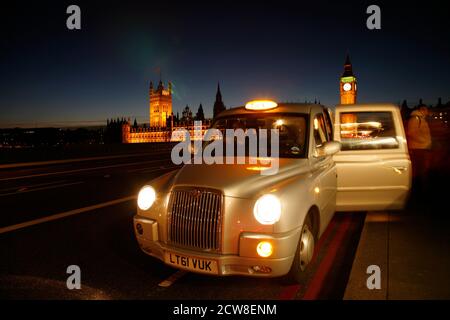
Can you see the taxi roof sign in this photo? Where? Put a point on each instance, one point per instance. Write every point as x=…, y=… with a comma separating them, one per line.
x=260, y=105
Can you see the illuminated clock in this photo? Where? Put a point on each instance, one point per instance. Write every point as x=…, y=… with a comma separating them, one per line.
x=347, y=86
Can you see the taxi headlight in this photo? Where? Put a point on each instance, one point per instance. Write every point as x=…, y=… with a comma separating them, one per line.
x=146, y=197
x=267, y=209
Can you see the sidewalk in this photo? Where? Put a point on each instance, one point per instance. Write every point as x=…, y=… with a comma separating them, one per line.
x=412, y=249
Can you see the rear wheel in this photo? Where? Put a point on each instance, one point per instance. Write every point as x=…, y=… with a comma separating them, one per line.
x=304, y=253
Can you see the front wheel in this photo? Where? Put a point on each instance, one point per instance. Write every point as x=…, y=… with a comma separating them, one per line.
x=304, y=253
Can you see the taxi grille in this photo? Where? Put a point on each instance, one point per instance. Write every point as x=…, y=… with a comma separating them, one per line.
x=195, y=218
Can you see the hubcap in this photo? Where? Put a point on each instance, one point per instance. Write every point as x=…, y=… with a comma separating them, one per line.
x=306, y=247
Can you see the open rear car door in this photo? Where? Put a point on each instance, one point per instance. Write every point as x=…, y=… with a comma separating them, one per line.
x=373, y=166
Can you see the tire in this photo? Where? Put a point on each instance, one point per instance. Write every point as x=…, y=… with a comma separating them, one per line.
x=304, y=253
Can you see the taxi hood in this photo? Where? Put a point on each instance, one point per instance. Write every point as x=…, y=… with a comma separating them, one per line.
x=237, y=180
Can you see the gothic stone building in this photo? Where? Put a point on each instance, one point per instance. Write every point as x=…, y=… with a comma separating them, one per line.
x=160, y=106
x=162, y=122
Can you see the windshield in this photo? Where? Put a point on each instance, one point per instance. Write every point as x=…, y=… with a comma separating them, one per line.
x=292, y=130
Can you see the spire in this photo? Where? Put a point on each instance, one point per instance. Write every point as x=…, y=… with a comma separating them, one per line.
x=218, y=104
x=218, y=94
x=348, y=71
x=347, y=60
x=200, y=115
x=160, y=83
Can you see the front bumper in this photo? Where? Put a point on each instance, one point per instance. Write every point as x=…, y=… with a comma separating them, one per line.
x=246, y=262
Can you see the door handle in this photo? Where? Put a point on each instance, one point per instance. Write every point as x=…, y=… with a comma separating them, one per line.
x=399, y=170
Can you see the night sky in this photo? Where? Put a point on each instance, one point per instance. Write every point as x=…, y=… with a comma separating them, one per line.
x=287, y=51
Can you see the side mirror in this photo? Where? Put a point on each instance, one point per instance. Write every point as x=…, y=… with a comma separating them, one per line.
x=327, y=149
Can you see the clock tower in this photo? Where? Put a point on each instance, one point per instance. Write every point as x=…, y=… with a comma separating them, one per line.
x=347, y=85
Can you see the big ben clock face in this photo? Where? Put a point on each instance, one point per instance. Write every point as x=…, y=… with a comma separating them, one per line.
x=347, y=86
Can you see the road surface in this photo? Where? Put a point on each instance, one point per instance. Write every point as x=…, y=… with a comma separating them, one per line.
x=80, y=213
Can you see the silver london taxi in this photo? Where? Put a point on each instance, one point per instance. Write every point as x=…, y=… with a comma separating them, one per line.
x=223, y=219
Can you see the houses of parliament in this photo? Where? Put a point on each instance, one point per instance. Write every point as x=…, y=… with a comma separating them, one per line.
x=162, y=120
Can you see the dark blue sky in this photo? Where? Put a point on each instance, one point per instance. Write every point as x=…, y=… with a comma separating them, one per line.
x=286, y=51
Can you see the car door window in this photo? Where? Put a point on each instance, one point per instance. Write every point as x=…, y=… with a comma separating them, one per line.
x=367, y=130
x=320, y=132
x=328, y=125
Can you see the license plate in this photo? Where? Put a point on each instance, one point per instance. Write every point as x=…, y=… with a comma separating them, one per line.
x=191, y=263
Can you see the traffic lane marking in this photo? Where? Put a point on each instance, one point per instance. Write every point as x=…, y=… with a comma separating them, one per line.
x=152, y=169
x=50, y=209
x=172, y=279
x=27, y=190
x=64, y=214
x=30, y=186
x=77, y=165
x=80, y=170
x=52, y=162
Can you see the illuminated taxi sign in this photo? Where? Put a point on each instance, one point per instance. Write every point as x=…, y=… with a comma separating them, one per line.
x=260, y=105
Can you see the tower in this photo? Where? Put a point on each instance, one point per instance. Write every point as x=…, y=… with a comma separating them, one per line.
x=160, y=104
x=218, y=104
x=347, y=86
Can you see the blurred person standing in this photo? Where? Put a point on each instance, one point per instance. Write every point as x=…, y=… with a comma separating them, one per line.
x=419, y=143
